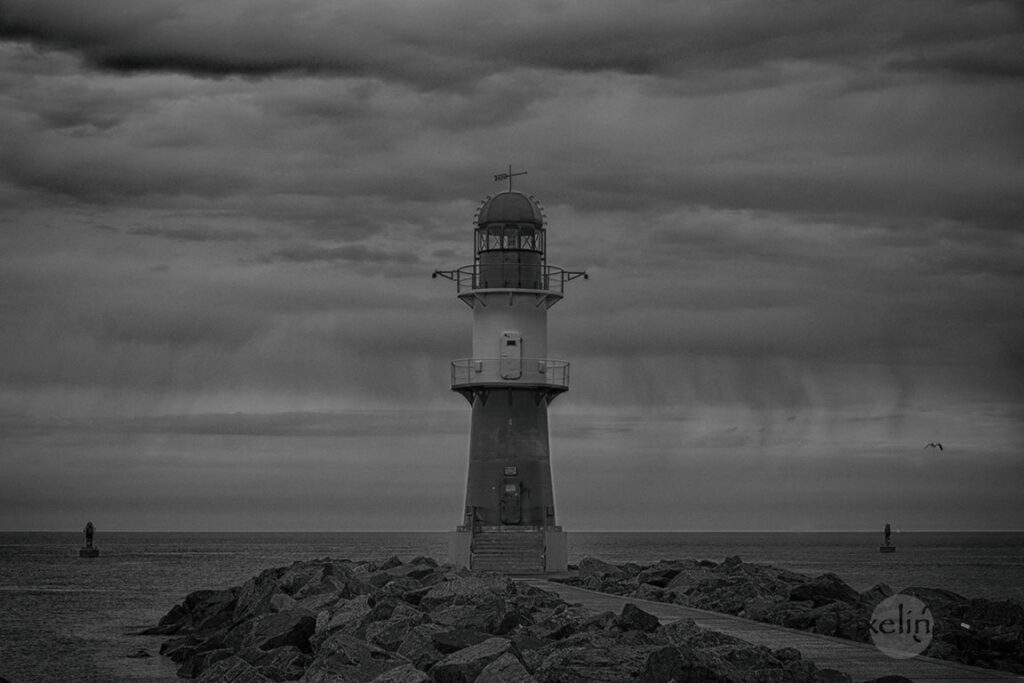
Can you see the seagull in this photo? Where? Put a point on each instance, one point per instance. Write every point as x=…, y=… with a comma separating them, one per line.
x=934, y=444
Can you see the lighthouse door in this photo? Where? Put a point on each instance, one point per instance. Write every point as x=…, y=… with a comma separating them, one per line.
x=511, y=355
x=511, y=505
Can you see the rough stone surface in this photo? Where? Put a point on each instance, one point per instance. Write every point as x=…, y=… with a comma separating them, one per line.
x=391, y=622
x=825, y=604
x=466, y=664
x=505, y=669
x=233, y=670
x=633, y=617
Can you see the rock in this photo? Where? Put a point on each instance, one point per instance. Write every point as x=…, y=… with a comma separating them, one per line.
x=463, y=590
x=233, y=670
x=193, y=666
x=842, y=621
x=418, y=646
x=347, y=618
x=564, y=621
x=279, y=602
x=633, y=617
x=138, y=654
x=406, y=673
x=732, y=561
x=671, y=663
x=347, y=658
x=201, y=611
x=824, y=589
x=505, y=669
x=937, y=599
x=447, y=642
x=389, y=634
x=594, y=657
x=591, y=566
x=279, y=629
x=874, y=595
x=465, y=665
x=286, y=663
x=659, y=575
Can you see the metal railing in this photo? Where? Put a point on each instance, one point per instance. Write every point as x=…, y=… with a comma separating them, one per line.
x=530, y=371
x=510, y=276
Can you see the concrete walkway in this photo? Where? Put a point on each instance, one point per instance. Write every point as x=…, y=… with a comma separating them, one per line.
x=859, y=660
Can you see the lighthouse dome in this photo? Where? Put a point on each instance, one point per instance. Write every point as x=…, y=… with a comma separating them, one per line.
x=510, y=207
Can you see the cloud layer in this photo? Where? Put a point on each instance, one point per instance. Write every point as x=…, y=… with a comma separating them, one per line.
x=795, y=208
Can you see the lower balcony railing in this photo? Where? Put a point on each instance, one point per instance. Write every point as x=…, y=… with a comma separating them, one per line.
x=510, y=371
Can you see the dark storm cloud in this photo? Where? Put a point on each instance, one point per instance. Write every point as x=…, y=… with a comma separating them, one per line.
x=310, y=253
x=193, y=234
x=450, y=43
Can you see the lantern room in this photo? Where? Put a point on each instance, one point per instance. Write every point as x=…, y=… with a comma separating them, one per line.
x=510, y=242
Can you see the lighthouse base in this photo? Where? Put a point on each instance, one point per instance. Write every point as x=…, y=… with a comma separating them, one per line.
x=518, y=550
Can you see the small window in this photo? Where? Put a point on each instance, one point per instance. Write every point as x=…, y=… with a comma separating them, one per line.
x=511, y=470
x=510, y=342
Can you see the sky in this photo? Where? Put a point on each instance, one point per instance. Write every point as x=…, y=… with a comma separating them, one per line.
x=801, y=221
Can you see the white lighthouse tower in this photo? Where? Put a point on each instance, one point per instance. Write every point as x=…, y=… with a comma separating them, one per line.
x=509, y=523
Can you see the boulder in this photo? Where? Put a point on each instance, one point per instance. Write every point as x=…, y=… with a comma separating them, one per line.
x=346, y=617
x=418, y=646
x=594, y=657
x=390, y=633
x=505, y=669
x=463, y=590
x=447, y=642
x=233, y=670
x=466, y=664
x=634, y=618
x=824, y=589
x=286, y=663
x=200, y=611
x=406, y=673
x=670, y=663
x=199, y=662
x=659, y=575
x=347, y=658
x=279, y=629
x=874, y=595
x=591, y=566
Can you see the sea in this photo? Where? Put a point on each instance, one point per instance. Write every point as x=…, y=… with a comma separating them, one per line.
x=65, y=618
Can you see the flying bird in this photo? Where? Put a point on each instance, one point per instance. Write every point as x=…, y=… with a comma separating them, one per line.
x=934, y=444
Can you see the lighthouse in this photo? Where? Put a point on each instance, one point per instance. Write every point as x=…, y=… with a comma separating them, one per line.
x=509, y=523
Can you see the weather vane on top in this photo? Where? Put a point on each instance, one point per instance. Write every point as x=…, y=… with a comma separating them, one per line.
x=508, y=176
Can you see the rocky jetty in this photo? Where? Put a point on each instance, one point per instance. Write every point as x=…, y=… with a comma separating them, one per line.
x=976, y=631
x=413, y=622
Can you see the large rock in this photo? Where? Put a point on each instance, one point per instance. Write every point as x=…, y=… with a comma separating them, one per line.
x=406, y=673
x=202, y=610
x=233, y=670
x=465, y=665
x=591, y=566
x=278, y=629
x=464, y=590
x=419, y=648
x=594, y=657
x=824, y=589
x=505, y=669
x=286, y=663
x=346, y=658
x=633, y=617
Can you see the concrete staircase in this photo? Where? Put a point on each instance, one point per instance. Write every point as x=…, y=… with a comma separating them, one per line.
x=508, y=549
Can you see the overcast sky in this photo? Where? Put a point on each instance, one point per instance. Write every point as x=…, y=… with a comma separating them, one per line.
x=802, y=222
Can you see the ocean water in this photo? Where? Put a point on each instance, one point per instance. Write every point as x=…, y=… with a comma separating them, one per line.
x=63, y=618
